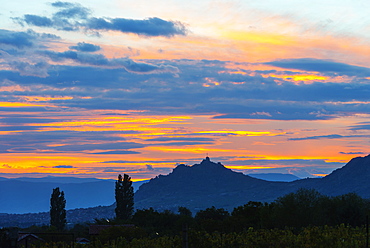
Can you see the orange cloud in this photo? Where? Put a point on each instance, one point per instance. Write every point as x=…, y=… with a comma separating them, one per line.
x=13, y=88
x=240, y=133
x=235, y=143
x=300, y=77
x=45, y=98
x=23, y=104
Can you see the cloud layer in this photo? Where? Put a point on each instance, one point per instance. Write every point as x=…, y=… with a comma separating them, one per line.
x=83, y=92
x=75, y=17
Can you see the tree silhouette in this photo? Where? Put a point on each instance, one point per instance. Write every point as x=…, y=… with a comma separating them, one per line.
x=57, y=209
x=184, y=211
x=124, y=198
x=212, y=219
x=300, y=208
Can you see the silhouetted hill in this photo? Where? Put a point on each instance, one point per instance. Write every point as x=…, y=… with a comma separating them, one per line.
x=204, y=185
x=353, y=177
x=211, y=184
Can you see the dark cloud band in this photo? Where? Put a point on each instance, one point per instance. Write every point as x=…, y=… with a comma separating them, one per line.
x=85, y=47
x=74, y=17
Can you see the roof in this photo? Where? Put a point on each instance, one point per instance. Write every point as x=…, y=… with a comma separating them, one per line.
x=27, y=235
x=82, y=240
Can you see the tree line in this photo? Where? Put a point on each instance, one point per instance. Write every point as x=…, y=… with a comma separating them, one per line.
x=304, y=218
x=298, y=209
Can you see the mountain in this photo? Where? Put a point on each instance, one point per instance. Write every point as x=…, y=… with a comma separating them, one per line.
x=197, y=187
x=204, y=185
x=32, y=195
x=275, y=177
x=353, y=177
x=211, y=184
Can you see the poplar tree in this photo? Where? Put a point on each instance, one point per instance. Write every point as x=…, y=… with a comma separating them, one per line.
x=57, y=209
x=124, y=198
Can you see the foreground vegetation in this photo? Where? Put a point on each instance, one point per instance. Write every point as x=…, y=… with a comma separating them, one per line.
x=325, y=237
x=301, y=219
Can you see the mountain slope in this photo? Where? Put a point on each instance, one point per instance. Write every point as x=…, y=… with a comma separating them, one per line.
x=211, y=184
x=204, y=185
x=353, y=177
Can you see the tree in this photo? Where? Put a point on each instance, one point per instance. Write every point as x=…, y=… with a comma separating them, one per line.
x=124, y=198
x=248, y=215
x=57, y=209
x=185, y=211
x=212, y=219
x=349, y=209
x=301, y=208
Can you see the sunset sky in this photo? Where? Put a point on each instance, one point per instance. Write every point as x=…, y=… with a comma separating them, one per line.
x=94, y=89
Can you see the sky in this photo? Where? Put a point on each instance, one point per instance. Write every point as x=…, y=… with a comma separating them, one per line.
x=97, y=89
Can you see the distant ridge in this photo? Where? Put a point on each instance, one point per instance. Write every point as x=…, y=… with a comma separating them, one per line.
x=53, y=179
x=211, y=184
x=32, y=195
x=275, y=177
